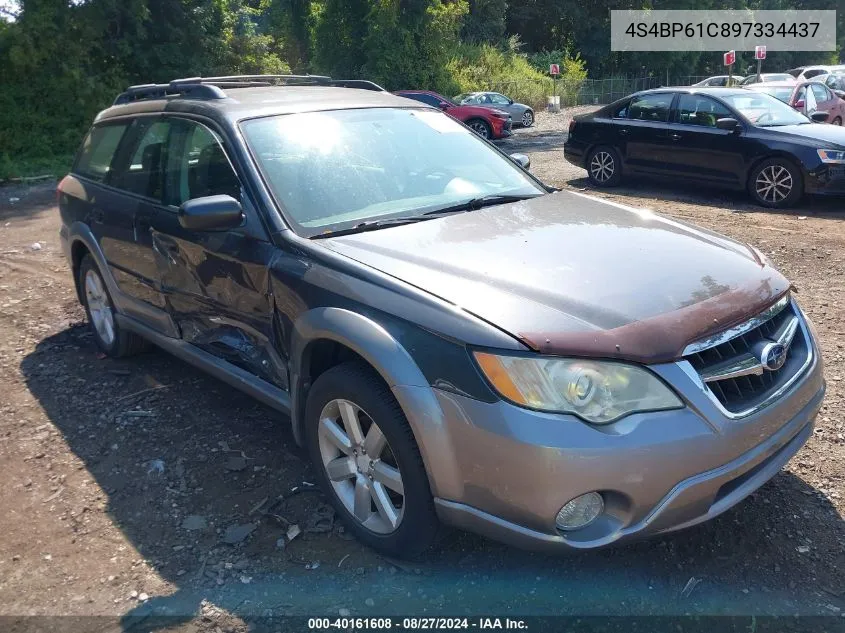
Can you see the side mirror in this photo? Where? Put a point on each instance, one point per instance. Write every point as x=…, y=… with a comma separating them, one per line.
x=799, y=105
x=839, y=93
x=522, y=160
x=443, y=105
x=729, y=124
x=211, y=213
x=510, y=101
x=819, y=116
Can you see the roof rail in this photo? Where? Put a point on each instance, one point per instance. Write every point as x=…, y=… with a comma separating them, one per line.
x=212, y=87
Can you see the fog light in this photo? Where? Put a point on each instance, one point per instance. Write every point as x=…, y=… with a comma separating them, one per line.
x=580, y=511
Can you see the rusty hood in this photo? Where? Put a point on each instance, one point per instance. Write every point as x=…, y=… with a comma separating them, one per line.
x=567, y=273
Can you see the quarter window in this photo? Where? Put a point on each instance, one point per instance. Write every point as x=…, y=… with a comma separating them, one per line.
x=650, y=107
x=696, y=110
x=98, y=150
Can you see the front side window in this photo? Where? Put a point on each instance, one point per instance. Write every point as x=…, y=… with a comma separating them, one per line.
x=98, y=150
x=820, y=92
x=499, y=99
x=650, y=107
x=333, y=170
x=703, y=111
x=197, y=166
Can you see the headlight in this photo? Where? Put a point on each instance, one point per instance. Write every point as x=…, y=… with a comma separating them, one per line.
x=599, y=392
x=831, y=155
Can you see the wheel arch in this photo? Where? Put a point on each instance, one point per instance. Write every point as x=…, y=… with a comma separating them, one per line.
x=362, y=338
x=776, y=154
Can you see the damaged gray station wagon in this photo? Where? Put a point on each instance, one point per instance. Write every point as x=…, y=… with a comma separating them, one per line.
x=454, y=342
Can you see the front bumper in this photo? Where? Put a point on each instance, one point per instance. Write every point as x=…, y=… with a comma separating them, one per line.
x=827, y=179
x=505, y=472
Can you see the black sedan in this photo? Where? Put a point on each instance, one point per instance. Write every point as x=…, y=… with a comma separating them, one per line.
x=730, y=137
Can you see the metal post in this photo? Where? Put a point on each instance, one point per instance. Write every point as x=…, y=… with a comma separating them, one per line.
x=759, y=63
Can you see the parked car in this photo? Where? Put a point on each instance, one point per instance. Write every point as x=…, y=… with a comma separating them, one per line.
x=521, y=113
x=767, y=77
x=451, y=340
x=719, y=80
x=806, y=97
x=489, y=123
x=835, y=81
x=805, y=73
x=731, y=137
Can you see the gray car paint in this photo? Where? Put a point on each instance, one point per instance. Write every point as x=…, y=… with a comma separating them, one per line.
x=516, y=110
x=562, y=262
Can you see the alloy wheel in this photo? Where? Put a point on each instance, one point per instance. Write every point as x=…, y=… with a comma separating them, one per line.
x=99, y=307
x=774, y=183
x=361, y=466
x=602, y=166
x=527, y=119
x=479, y=128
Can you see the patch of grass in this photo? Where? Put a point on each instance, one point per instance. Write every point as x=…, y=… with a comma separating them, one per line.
x=11, y=167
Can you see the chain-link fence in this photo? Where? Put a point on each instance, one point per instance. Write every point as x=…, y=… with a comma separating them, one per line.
x=582, y=92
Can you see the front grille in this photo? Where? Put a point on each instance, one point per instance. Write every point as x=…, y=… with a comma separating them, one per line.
x=748, y=392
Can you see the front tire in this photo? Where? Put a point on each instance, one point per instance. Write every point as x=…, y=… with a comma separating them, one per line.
x=776, y=183
x=367, y=461
x=112, y=340
x=480, y=127
x=604, y=167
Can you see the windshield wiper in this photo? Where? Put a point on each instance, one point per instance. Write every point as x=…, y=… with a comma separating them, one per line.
x=474, y=204
x=371, y=226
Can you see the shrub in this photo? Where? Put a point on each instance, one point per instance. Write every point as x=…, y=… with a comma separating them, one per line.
x=486, y=67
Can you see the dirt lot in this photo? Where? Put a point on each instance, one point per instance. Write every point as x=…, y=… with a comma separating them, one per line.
x=124, y=480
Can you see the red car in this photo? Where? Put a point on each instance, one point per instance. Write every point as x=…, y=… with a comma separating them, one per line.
x=806, y=97
x=486, y=122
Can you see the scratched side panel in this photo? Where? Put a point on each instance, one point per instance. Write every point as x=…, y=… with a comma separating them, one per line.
x=216, y=286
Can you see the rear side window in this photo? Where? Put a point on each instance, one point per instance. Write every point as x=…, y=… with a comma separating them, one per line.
x=144, y=175
x=98, y=150
x=654, y=107
x=820, y=92
x=424, y=98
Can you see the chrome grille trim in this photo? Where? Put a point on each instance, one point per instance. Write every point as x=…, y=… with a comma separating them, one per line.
x=738, y=330
x=785, y=334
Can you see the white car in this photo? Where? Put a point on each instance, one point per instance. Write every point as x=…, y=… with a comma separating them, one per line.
x=805, y=73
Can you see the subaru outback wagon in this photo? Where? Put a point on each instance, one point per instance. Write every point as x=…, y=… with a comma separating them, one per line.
x=452, y=341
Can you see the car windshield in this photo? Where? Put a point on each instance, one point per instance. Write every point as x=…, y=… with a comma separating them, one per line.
x=782, y=93
x=765, y=110
x=334, y=170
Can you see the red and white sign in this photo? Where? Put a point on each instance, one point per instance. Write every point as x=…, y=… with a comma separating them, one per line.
x=759, y=52
x=554, y=69
x=730, y=58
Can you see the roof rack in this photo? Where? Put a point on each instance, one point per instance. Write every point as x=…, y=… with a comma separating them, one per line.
x=212, y=87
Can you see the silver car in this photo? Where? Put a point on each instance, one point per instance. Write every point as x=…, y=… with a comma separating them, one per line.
x=520, y=113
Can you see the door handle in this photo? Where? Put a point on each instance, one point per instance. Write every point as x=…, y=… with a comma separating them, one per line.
x=624, y=131
x=676, y=137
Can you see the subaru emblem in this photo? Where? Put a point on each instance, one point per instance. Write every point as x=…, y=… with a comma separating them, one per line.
x=773, y=356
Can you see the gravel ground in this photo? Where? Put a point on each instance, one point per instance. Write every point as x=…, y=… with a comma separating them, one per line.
x=142, y=486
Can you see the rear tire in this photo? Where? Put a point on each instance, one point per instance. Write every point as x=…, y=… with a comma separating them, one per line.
x=837, y=121
x=776, y=183
x=527, y=118
x=355, y=429
x=604, y=166
x=481, y=127
x=112, y=340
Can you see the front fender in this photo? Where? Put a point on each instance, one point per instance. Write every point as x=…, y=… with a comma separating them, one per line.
x=397, y=368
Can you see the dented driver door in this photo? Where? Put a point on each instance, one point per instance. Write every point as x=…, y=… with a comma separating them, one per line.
x=215, y=283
